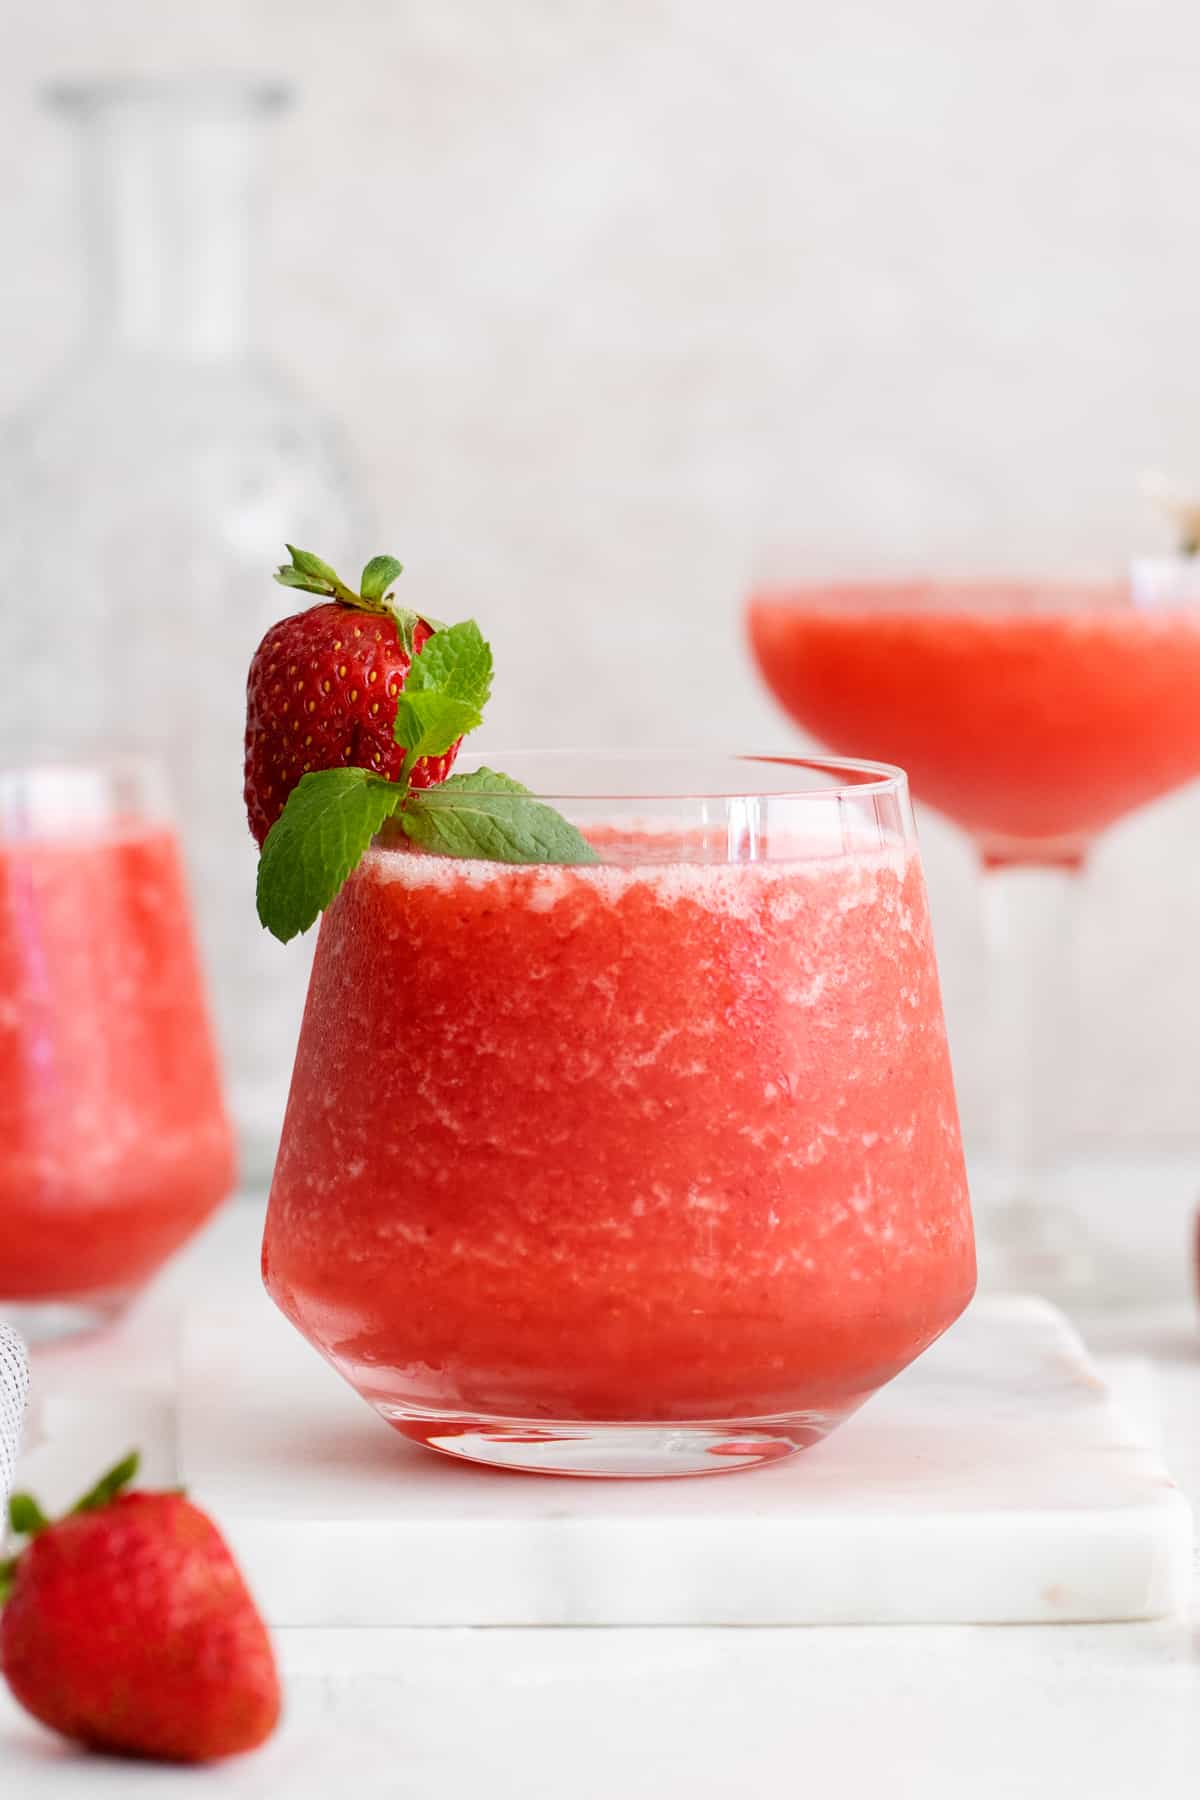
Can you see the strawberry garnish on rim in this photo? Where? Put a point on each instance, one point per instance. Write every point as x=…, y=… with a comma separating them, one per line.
x=324, y=683
x=356, y=711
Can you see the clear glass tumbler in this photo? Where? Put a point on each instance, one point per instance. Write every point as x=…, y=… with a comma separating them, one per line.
x=114, y=1141
x=649, y=1166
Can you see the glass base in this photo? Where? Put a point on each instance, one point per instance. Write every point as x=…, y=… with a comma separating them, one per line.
x=54, y=1321
x=623, y=1451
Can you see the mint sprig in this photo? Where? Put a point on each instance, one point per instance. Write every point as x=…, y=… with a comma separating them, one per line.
x=320, y=836
x=448, y=686
x=491, y=816
x=331, y=815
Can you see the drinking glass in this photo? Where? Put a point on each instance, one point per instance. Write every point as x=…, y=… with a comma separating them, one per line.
x=114, y=1142
x=1034, y=715
x=647, y=1166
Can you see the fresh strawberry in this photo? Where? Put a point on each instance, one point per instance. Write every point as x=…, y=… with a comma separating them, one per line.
x=128, y=1627
x=323, y=686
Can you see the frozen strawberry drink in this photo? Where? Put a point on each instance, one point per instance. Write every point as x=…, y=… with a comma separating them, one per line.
x=639, y=1166
x=114, y=1143
x=1033, y=717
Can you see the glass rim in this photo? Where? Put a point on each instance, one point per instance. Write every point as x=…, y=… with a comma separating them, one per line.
x=868, y=779
x=43, y=796
x=263, y=92
x=995, y=592
x=81, y=764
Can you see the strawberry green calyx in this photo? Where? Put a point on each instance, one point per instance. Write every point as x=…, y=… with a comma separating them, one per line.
x=26, y=1518
x=110, y=1484
x=312, y=576
x=377, y=578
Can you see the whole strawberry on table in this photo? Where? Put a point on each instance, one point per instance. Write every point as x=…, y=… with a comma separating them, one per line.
x=127, y=1626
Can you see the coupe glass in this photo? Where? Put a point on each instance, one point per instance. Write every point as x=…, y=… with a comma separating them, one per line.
x=649, y=1166
x=114, y=1143
x=1034, y=715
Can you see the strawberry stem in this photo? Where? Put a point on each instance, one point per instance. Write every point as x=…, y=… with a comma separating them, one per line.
x=312, y=576
x=25, y=1516
x=25, y=1519
x=109, y=1484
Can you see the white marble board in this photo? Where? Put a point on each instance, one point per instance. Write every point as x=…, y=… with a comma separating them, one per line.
x=996, y=1481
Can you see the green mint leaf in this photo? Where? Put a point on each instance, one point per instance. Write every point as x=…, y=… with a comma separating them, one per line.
x=330, y=817
x=109, y=1484
x=456, y=661
x=491, y=816
x=378, y=577
x=25, y=1516
x=427, y=723
x=445, y=692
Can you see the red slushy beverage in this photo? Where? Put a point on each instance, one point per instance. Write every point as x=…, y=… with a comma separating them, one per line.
x=656, y=1140
x=1034, y=717
x=114, y=1143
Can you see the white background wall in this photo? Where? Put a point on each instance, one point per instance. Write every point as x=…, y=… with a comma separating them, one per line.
x=611, y=294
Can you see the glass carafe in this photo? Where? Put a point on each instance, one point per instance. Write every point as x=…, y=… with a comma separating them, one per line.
x=144, y=500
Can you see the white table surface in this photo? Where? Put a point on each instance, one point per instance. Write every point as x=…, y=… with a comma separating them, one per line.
x=1109, y=1712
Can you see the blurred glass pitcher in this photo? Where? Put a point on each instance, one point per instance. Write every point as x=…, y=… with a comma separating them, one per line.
x=144, y=498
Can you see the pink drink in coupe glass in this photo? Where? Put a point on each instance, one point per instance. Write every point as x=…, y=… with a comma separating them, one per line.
x=646, y=1166
x=1033, y=716
x=114, y=1143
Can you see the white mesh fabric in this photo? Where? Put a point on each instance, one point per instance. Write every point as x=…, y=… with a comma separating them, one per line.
x=14, y=1385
